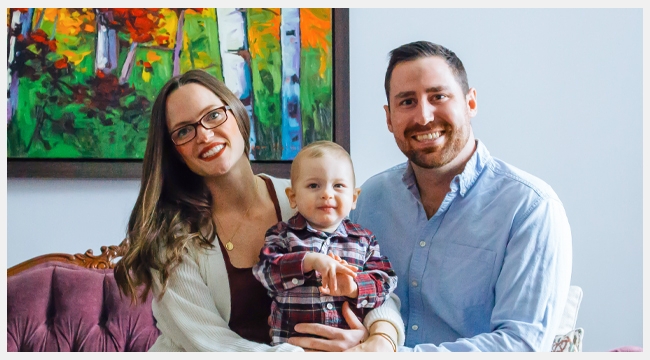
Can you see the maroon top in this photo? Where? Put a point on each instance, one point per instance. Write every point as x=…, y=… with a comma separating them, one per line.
x=250, y=302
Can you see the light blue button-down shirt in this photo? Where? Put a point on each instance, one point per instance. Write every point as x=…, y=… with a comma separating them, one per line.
x=490, y=271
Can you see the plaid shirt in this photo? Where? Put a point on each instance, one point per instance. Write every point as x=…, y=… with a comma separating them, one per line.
x=296, y=298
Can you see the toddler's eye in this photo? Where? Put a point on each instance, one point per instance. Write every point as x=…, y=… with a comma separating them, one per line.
x=312, y=186
x=339, y=186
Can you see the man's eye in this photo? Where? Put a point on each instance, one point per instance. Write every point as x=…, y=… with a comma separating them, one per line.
x=439, y=96
x=407, y=102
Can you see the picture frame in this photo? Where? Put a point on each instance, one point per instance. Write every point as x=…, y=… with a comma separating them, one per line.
x=132, y=169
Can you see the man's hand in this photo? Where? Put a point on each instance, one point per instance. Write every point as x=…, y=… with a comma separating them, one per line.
x=328, y=268
x=335, y=339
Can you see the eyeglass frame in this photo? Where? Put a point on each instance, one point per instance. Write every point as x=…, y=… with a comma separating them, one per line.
x=200, y=122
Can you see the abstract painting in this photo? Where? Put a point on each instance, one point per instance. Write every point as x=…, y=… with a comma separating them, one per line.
x=81, y=81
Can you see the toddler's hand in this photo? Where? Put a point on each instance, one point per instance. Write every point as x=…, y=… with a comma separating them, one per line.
x=328, y=268
x=347, y=286
x=337, y=258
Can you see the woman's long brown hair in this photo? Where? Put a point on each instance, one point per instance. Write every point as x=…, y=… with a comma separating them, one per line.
x=174, y=206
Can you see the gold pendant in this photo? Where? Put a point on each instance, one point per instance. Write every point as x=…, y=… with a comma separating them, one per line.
x=229, y=246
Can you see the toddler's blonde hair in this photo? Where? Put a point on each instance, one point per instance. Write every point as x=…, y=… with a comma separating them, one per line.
x=316, y=150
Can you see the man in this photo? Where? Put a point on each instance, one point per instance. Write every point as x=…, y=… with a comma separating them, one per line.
x=482, y=250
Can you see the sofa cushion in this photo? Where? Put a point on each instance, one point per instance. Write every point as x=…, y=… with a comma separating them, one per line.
x=63, y=307
x=571, y=342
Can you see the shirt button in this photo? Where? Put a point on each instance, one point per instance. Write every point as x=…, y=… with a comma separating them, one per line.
x=364, y=303
x=415, y=327
x=294, y=281
x=414, y=283
x=330, y=306
x=423, y=243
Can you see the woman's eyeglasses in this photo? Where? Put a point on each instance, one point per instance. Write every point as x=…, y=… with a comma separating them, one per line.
x=211, y=120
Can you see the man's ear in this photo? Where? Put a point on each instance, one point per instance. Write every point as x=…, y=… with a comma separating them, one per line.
x=388, y=120
x=292, y=197
x=472, y=106
x=355, y=196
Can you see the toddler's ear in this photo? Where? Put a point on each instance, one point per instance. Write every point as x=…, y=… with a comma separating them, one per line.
x=292, y=197
x=355, y=196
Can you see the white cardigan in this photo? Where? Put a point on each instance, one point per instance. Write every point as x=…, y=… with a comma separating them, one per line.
x=194, y=312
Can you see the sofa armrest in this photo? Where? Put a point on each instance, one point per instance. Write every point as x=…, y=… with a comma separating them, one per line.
x=60, y=302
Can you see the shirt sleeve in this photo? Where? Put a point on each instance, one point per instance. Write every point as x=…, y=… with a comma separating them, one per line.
x=188, y=318
x=377, y=279
x=278, y=269
x=532, y=288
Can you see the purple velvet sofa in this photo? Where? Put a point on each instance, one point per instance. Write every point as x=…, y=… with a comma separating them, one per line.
x=60, y=302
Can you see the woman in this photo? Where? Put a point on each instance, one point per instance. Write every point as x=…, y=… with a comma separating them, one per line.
x=198, y=225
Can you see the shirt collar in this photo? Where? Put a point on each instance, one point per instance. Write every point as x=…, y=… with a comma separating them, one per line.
x=461, y=182
x=345, y=228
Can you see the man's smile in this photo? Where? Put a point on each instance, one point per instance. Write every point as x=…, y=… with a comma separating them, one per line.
x=428, y=136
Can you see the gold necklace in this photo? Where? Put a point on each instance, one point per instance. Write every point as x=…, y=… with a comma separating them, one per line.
x=229, y=246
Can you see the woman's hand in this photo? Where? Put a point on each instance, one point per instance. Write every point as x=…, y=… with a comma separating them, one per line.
x=376, y=342
x=335, y=339
x=373, y=344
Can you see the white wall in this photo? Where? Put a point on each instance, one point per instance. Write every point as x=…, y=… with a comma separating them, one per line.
x=559, y=94
x=66, y=216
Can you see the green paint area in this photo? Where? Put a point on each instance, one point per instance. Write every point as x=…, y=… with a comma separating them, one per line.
x=65, y=111
x=315, y=96
x=201, y=44
x=266, y=65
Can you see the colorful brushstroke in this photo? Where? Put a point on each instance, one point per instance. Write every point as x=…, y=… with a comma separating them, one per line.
x=236, y=63
x=290, y=39
x=316, y=65
x=81, y=82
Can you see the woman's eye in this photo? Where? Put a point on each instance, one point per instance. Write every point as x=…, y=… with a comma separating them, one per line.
x=183, y=132
x=215, y=115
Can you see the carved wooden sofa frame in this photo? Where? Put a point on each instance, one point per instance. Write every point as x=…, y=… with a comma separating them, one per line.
x=105, y=260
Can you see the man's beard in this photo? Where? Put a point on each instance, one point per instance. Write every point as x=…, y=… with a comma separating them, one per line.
x=433, y=158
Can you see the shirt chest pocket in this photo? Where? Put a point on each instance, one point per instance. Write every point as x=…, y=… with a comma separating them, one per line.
x=465, y=276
